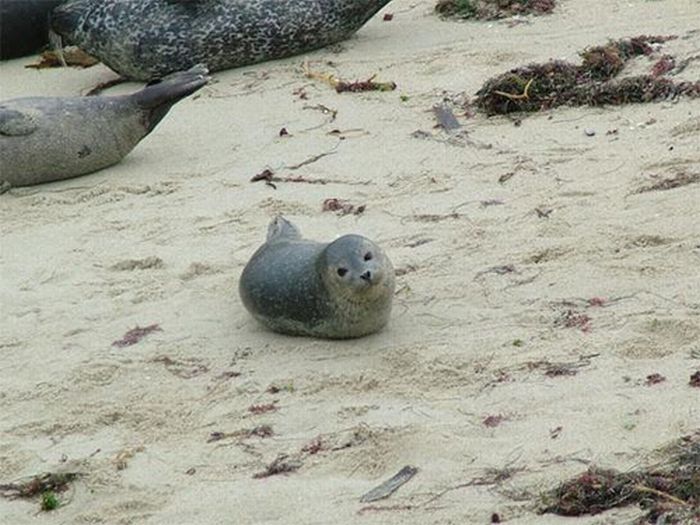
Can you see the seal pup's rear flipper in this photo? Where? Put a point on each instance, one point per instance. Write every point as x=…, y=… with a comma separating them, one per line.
x=173, y=87
x=160, y=95
x=281, y=228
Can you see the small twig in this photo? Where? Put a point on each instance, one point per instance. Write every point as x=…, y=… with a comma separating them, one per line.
x=311, y=160
x=325, y=110
x=670, y=497
x=523, y=96
x=341, y=85
x=328, y=78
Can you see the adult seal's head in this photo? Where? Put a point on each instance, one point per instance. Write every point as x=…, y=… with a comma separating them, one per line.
x=44, y=139
x=336, y=290
x=143, y=39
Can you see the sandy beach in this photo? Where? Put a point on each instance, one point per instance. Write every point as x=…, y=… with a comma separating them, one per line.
x=540, y=282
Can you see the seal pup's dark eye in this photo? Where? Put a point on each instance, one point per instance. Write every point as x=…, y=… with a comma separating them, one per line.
x=342, y=271
x=368, y=256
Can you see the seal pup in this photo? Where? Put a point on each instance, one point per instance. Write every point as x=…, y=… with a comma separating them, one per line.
x=143, y=39
x=336, y=290
x=44, y=139
x=24, y=26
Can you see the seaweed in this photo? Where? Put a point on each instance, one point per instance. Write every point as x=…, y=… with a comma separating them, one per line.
x=39, y=484
x=671, y=489
x=134, y=335
x=342, y=86
x=492, y=9
x=45, y=486
x=538, y=87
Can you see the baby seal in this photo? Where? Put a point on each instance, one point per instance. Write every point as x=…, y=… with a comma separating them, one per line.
x=143, y=39
x=337, y=290
x=45, y=139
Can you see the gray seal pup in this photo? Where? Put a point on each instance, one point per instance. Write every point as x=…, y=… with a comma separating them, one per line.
x=24, y=26
x=44, y=139
x=143, y=39
x=336, y=290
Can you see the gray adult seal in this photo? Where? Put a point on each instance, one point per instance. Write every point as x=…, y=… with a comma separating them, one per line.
x=143, y=39
x=45, y=139
x=336, y=290
x=24, y=26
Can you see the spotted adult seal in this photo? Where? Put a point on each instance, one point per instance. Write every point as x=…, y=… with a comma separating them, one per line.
x=44, y=139
x=336, y=290
x=143, y=39
x=24, y=26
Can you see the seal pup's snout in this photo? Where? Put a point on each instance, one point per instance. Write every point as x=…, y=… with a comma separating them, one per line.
x=371, y=276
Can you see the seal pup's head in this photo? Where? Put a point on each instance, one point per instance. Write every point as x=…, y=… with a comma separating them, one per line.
x=353, y=265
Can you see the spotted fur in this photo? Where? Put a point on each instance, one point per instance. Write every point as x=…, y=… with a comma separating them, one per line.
x=143, y=39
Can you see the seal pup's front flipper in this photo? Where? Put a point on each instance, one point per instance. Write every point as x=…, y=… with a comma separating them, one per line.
x=160, y=95
x=280, y=228
x=16, y=123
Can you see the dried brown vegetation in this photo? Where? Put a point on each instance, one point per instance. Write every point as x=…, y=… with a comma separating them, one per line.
x=538, y=87
x=671, y=489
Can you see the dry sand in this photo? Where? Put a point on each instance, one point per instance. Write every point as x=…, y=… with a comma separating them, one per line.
x=465, y=342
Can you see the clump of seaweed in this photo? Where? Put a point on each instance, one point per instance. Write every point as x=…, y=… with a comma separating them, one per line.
x=46, y=486
x=538, y=87
x=670, y=489
x=492, y=9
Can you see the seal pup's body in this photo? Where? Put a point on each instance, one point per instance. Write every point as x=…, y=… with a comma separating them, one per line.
x=143, y=39
x=44, y=139
x=336, y=290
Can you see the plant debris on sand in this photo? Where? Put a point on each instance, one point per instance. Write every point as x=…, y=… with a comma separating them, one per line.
x=71, y=56
x=45, y=485
x=50, y=481
x=342, y=207
x=134, y=335
x=282, y=464
x=668, y=492
x=537, y=87
x=342, y=86
x=679, y=179
x=492, y=9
